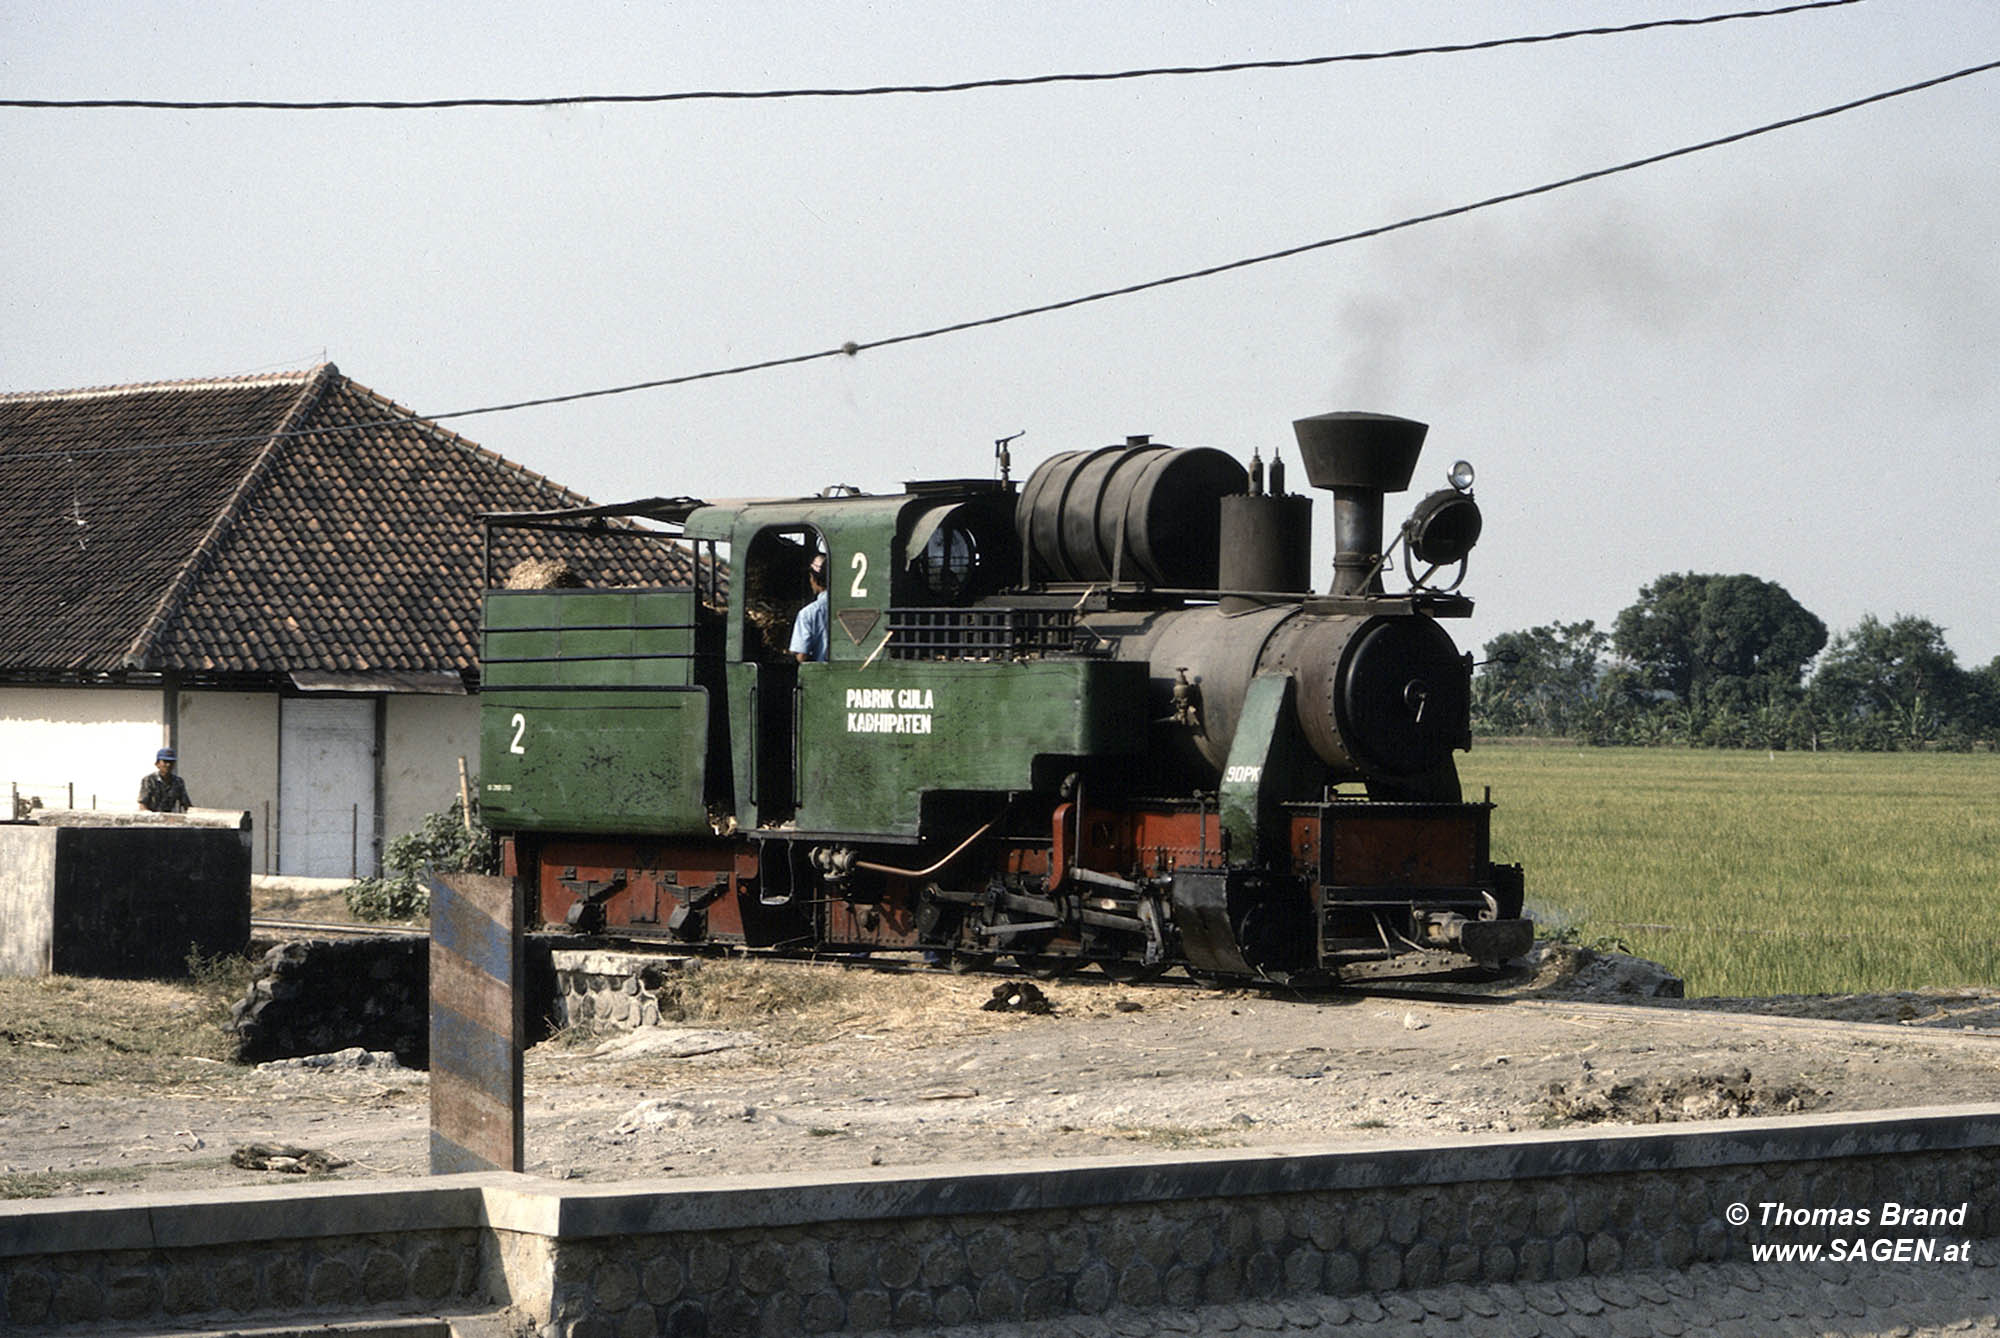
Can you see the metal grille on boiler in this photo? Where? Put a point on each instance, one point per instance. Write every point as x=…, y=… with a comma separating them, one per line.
x=980, y=634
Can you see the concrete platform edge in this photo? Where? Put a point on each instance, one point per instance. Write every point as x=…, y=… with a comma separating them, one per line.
x=939, y=1247
x=530, y=1205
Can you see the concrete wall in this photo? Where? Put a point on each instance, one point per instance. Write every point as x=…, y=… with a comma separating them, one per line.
x=27, y=906
x=124, y=900
x=1533, y=1224
x=101, y=740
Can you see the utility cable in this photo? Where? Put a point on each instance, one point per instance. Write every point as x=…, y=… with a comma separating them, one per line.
x=966, y=86
x=853, y=347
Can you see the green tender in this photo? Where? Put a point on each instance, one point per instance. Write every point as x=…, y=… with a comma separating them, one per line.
x=590, y=719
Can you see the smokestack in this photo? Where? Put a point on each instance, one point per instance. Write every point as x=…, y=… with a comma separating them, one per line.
x=1358, y=457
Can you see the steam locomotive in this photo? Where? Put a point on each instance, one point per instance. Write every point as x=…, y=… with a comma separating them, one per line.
x=1097, y=719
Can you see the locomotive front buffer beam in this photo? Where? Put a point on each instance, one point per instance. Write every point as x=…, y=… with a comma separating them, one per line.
x=1481, y=940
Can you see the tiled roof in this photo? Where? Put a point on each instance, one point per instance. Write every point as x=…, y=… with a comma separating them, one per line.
x=257, y=525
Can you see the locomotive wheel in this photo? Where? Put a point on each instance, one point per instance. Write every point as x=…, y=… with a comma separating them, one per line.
x=969, y=963
x=1131, y=973
x=1047, y=967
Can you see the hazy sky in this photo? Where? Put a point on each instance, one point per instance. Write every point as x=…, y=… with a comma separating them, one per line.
x=1777, y=357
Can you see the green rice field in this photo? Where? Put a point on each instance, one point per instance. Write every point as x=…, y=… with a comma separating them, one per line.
x=1751, y=873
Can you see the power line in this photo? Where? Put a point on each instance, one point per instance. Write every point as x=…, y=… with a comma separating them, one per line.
x=854, y=347
x=970, y=85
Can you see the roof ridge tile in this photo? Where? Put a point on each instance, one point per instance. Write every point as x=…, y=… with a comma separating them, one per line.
x=155, y=387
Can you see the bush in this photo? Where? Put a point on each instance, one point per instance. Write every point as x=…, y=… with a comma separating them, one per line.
x=443, y=844
x=397, y=897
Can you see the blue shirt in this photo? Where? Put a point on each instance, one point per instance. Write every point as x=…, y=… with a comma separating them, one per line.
x=809, y=630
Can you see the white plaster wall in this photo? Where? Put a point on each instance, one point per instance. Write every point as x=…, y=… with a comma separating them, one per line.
x=229, y=759
x=423, y=739
x=102, y=740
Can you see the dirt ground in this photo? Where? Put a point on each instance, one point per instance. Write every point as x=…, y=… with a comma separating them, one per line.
x=793, y=1067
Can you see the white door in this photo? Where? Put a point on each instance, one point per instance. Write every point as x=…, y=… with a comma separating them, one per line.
x=326, y=788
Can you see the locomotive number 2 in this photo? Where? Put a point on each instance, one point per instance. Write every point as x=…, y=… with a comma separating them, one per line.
x=860, y=565
x=520, y=724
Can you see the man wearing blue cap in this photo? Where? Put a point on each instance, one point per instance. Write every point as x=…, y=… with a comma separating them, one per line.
x=162, y=791
x=809, y=629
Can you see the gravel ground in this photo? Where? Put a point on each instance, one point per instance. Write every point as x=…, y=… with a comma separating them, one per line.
x=912, y=1069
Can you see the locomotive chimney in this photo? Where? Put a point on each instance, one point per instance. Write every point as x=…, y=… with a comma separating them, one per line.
x=1359, y=457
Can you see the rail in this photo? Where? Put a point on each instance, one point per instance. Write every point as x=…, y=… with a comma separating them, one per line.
x=321, y=927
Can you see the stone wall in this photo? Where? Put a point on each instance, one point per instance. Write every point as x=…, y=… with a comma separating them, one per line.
x=594, y=987
x=354, y=1274
x=1227, y=1231
x=153, y=1261
x=1549, y=1221
x=316, y=996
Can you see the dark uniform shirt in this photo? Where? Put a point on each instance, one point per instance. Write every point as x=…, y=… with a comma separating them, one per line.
x=164, y=794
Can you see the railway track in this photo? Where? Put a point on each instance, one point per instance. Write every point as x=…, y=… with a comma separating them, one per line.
x=1468, y=995
x=267, y=928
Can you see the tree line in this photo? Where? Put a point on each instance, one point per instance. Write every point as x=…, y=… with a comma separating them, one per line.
x=1736, y=662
